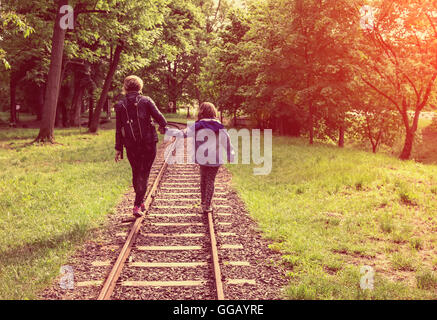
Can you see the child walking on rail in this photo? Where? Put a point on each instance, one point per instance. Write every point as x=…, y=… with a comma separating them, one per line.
x=209, y=134
x=136, y=133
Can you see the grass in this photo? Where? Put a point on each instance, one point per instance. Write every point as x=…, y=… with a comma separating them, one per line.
x=179, y=117
x=51, y=197
x=5, y=116
x=330, y=211
x=403, y=262
x=426, y=280
x=423, y=123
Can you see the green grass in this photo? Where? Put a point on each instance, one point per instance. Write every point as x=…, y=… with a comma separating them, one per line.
x=426, y=280
x=403, y=262
x=5, y=116
x=330, y=211
x=51, y=197
x=179, y=117
x=423, y=123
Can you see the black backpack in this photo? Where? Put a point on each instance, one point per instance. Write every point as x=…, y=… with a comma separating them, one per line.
x=141, y=123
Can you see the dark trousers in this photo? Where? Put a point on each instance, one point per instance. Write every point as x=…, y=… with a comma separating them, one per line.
x=141, y=159
x=207, y=180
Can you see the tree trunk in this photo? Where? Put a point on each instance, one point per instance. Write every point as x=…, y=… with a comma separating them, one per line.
x=58, y=122
x=94, y=125
x=410, y=134
x=62, y=116
x=40, y=103
x=341, y=136
x=15, y=77
x=281, y=126
x=83, y=105
x=64, y=111
x=78, y=108
x=311, y=124
x=107, y=109
x=374, y=146
x=175, y=108
x=76, y=104
x=408, y=145
x=90, y=107
x=46, y=132
x=12, y=94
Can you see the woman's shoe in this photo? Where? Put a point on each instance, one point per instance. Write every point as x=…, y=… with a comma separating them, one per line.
x=136, y=212
x=143, y=207
x=207, y=209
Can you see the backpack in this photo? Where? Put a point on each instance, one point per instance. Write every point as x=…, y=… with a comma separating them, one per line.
x=145, y=131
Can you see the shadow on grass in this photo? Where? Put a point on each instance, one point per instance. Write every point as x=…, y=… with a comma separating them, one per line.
x=24, y=254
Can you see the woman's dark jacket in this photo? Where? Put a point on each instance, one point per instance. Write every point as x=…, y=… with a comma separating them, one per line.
x=134, y=121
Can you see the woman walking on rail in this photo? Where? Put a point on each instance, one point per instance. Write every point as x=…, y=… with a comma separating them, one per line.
x=136, y=133
x=210, y=138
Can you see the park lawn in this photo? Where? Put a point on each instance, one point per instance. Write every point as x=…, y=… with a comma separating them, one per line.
x=51, y=197
x=330, y=211
x=177, y=117
x=5, y=116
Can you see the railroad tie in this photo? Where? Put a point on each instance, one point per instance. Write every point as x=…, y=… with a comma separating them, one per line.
x=189, y=207
x=175, y=215
x=175, y=235
x=240, y=281
x=167, y=264
x=231, y=246
x=177, y=224
x=196, y=283
x=169, y=248
x=91, y=283
x=237, y=263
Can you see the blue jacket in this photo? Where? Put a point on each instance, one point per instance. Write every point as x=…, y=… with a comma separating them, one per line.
x=208, y=135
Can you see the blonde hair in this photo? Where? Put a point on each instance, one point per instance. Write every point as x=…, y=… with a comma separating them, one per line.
x=207, y=111
x=133, y=84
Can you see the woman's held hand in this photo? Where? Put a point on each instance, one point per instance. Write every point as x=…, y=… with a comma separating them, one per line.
x=118, y=156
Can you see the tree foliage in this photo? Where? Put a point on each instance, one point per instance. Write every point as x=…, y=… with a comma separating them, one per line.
x=302, y=67
x=309, y=67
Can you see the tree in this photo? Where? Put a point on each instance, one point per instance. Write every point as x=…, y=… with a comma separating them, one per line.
x=95, y=121
x=373, y=122
x=82, y=81
x=46, y=132
x=292, y=52
x=399, y=63
x=219, y=79
x=131, y=29
x=179, y=53
x=12, y=24
x=14, y=59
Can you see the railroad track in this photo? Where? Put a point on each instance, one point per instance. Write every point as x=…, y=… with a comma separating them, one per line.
x=173, y=241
